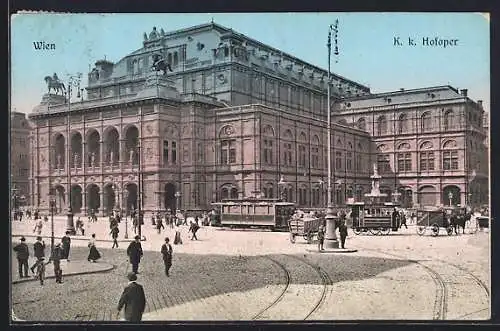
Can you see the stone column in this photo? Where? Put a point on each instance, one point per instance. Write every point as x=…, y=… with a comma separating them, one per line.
x=84, y=200
x=101, y=197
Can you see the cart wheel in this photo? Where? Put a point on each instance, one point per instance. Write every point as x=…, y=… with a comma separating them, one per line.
x=375, y=231
x=435, y=229
x=385, y=231
x=356, y=231
x=421, y=230
x=292, y=238
x=309, y=238
x=449, y=230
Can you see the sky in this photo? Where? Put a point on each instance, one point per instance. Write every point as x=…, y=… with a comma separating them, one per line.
x=366, y=41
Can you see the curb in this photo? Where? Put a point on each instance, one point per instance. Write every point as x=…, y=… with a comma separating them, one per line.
x=108, y=267
x=333, y=250
x=73, y=238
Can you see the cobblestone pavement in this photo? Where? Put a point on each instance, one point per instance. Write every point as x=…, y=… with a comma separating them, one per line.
x=245, y=275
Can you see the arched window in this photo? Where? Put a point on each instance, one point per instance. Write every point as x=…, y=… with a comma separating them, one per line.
x=448, y=120
x=450, y=157
x=425, y=122
x=402, y=124
x=381, y=126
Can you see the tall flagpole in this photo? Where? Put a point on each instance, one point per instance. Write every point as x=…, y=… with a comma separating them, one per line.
x=330, y=233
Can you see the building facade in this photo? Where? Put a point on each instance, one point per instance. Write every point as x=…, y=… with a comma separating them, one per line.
x=429, y=143
x=228, y=117
x=19, y=157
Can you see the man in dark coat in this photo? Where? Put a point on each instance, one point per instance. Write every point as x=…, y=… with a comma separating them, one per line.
x=114, y=234
x=134, y=252
x=166, y=251
x=39, y=252
x=395, y=218
x=133, y=299
x=23, y=254
x=55, y=258
x=66, y=245
x=342, y=232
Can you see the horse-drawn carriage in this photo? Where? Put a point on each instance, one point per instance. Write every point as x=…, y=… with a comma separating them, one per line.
x=373, y=218
x=448, y=218
x=304, y=225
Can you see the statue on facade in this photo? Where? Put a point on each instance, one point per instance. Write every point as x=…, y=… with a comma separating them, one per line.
x=75, y=160
x=111, y=160
x=131, y=156
x=145, y=36
x=159, y=64
x=59, y=161
x=153, y=34
x=375, y=169
x=53, y=83
x=92, y=160
x=162, y=33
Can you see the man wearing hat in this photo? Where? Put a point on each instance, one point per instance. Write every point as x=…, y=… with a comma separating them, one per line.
x=134, y=300
x=23, y=254
x=321, y=238
x=55, y=258
x=39, y=251
x=134, y=252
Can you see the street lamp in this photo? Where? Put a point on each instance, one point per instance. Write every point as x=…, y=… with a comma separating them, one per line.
x=52, y=204
x=126, y=213
x=73, y=82
x=330, y=233
x=450, y=197
x=177, y=196
x=281, y=185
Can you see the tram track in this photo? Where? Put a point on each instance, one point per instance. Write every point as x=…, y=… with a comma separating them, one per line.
x=325, y=280
x=440, y=310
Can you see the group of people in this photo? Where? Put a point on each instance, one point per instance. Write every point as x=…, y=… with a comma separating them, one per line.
x=60, y=252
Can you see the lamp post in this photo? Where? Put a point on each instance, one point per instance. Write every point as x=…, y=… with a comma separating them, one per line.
x=321, y=184
x=52, y=203
x=450, y=197
x=330, y=233
x=126, y=213
x=177, y=196
x=73, y=82
x=281, y=185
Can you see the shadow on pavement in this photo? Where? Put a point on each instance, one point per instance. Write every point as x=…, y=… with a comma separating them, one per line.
x=95, y=296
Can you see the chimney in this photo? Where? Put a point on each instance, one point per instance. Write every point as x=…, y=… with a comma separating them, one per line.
x=480, y=103
x=463, y=92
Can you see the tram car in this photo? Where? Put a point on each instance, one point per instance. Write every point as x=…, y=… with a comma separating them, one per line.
x=375, y=219
x=261, y=213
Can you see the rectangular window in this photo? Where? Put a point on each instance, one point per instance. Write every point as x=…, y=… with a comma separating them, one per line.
x=165, y=152
x=383, y=163
x=315, y=157
x=174, y=152
x=200, y=152
x=268, y=151
x=302, y=156
x=450, y=160
x=287, y=154
x=349, y=160
x=404, y=162
x=228, y=152
x=338, y=160
x=426, y=161
x=357, y=165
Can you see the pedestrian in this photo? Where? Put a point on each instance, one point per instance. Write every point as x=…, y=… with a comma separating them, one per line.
x=38, y=251
x=94, y=254
x=402, y=218
x=55, y=258
x=159, y=224
x=28, y=213
x=135, y=223
x=38, y=227
x=177, y=238
x=66, y=245
x=36, y=214
x=20, y=216
x=193, y=228
x=395, y=218
x=134, y=252
x=79, y=225
x=167, y=251
x=45, y=218
x=343, y=232
x=321, y=238
x=133, y=299
x=153, y=220
x=114, y=234
x=40, y=270
x=22, y=252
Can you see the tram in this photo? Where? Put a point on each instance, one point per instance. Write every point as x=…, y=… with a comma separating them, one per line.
x=374, y=218
x=252, y=212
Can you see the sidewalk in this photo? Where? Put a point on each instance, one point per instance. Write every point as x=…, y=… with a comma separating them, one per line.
x=71, y=268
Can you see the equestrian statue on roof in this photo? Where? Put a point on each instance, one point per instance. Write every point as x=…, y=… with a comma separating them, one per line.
x=55, y=84
x=160, y=64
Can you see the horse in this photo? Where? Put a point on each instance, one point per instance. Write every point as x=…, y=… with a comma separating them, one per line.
x=55, y=85
x=160, y=64
x=459, y=220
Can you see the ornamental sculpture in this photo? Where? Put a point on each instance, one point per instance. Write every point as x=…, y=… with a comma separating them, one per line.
x=159, y=64
x=53, y=83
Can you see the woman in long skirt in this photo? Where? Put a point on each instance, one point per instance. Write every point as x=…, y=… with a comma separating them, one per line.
x=94, y=254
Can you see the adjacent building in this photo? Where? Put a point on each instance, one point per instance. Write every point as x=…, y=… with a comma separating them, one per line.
x=19, y=158
x=230, y=118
